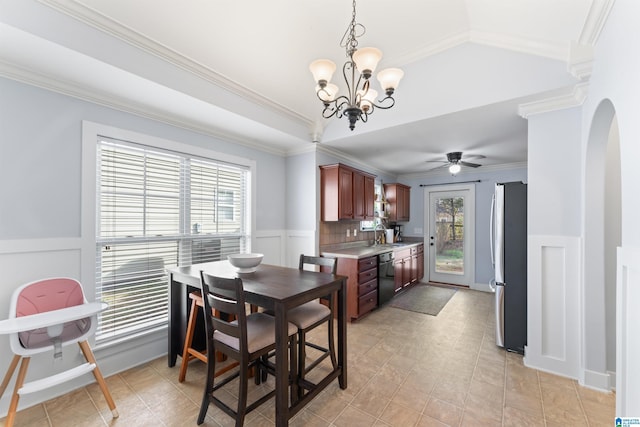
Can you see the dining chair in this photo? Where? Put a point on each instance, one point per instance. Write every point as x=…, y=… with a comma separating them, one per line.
x=190, y=353
x=47, y=315
x=247, y=339
x=311, y=315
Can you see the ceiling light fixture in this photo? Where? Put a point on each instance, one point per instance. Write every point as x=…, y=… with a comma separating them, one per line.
x=360, y=101
x=454, y=168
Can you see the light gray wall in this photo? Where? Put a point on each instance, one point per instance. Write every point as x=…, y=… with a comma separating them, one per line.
x=40, y=161
x=615, y=79
x=301, y=192
x=612, y=239
x=40, y=213
x=555, y=185
x=484, y=192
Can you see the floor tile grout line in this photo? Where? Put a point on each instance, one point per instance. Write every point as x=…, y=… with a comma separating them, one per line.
x=95, y=405
x=144, y=402
x=584, y=413
x=544, y=415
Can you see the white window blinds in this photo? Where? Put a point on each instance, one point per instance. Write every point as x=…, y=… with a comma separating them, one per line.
x=158, y=209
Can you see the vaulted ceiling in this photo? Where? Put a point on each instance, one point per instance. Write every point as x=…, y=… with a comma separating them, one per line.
x=239, y=69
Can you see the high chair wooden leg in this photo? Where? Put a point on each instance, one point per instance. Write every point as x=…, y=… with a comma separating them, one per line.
x=9, y=374
x=88, y=354
x=13, y=406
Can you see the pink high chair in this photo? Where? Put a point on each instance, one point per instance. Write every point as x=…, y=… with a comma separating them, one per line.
x=47, y=315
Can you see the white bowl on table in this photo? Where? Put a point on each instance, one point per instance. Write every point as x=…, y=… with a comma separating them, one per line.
x=245, y=263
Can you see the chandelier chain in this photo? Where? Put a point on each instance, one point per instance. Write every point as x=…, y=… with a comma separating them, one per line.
x=350, y=38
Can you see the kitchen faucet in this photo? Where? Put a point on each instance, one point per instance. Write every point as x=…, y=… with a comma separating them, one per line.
x=375, y=234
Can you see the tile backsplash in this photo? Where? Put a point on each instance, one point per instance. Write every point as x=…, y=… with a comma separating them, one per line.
x=332, y=233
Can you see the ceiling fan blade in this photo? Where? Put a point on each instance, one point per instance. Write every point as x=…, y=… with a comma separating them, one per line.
x=436, y=161
x=474, y=157
x=446, y=164
x=471, y=165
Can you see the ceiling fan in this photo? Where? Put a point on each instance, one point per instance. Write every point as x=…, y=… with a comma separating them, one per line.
x=454, y=161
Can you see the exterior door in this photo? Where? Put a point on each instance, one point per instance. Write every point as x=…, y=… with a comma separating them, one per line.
x=450, y=235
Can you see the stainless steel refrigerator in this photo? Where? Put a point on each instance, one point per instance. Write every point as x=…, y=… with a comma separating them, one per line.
x=509, y=256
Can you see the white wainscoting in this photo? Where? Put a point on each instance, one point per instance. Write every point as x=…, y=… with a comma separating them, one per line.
x=628, y=340
x=271, y=243
x=554, y=298
x=23, y=261
x=283, y=247
x=300, y=242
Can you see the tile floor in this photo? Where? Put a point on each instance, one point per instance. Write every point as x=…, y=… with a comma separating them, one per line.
x=405, y=369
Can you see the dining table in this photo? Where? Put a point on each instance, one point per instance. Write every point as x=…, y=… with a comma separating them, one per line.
x=274, y=288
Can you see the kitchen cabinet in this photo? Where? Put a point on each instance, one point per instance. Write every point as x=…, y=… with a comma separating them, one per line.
x=402, y=268
x=399, y=199
x=408, y=266
x=346, y=193
x=362, y=284
x=369, y=197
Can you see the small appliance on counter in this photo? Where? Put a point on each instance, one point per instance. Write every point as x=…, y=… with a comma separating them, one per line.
x=397, y=232
x=389, y=235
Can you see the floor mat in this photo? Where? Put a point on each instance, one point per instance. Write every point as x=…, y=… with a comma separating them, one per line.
x=423, y=298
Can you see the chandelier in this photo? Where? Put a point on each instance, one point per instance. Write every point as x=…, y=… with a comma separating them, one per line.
x=360, y=101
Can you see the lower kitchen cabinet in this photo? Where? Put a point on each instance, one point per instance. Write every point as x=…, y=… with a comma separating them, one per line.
x=362, y=284
x=402, y=268
x=408, y=266
x=420, y=253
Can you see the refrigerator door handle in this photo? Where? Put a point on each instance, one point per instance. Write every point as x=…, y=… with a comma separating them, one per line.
x=499, y=232
x=500, y=314
x=492, y=236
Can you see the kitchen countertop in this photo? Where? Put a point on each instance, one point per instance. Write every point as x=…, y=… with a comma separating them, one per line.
x=363, y=251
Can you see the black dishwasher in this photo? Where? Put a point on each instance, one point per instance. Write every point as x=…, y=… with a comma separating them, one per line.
x=386, y=286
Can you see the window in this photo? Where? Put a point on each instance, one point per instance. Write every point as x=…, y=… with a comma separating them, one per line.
x=159, y=209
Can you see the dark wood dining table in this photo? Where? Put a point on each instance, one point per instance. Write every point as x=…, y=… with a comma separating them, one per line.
x=274, y=288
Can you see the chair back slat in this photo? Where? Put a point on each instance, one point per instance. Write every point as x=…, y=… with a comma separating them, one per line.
x=331, y=264
x=225, y=296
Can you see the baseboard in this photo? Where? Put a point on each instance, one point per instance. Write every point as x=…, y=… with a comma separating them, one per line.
x=597, y=380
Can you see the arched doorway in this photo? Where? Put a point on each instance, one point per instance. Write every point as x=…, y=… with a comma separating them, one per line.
x=602, y=235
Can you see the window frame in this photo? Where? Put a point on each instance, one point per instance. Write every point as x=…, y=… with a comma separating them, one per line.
x=91, y=132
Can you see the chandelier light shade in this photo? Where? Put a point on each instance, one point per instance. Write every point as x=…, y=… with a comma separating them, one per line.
x=322, y=70
x=366, y=60
x=389, y=79
x=360, y=101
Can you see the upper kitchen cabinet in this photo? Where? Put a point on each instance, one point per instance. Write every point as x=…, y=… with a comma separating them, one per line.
x=346, y=193
x=399, y=199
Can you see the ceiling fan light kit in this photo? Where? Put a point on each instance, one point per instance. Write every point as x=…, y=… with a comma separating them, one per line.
x=454, y=162
x=360, y=101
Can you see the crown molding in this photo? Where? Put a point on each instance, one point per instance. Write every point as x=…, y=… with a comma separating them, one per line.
x=310, y=147
x=568, y=100
x=102, y=23
x=580, y=62
x=596, y=18
x=31, y=78
x=349, y=159
x=430, y=49
x=545, y=48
